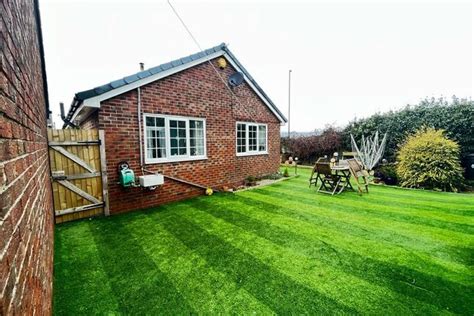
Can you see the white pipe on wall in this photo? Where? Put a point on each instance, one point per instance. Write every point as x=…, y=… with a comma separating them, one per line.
x=139, y=110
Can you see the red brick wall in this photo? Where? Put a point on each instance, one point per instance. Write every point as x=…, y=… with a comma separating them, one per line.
x=26, y=215
x=196, y=92
x=90, y=122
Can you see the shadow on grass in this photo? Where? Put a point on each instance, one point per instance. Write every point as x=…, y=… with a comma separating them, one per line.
x=270, y=287
x=426, y=288
x=139, y=286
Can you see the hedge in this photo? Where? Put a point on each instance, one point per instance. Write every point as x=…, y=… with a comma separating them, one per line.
x=456, y=117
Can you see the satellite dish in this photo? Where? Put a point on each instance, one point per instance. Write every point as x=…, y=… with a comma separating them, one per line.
x=236, y=79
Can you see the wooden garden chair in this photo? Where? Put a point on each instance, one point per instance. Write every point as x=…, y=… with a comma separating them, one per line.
x=313, y=179
x=358, y=171
x=331, y=183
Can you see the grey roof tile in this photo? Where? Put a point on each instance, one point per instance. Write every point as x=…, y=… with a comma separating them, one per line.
x=186, y=60
x=86, y=94
x=167, y=66
x=144, y=74
x=103, y=89
x=131, y=78
x=194, y=56
x=176, y=63
x=117, y=83
x=155, y=70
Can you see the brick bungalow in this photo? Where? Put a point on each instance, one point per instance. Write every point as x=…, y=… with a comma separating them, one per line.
x=196, y=127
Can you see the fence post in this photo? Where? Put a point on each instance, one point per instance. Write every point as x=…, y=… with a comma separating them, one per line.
x=103, y=168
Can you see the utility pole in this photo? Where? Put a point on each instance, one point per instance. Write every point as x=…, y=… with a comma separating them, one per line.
x=289, y=102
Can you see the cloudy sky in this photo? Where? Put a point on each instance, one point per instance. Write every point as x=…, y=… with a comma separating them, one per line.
x=349, y=58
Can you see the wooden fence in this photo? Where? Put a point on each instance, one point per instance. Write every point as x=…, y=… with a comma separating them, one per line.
x=78, y=171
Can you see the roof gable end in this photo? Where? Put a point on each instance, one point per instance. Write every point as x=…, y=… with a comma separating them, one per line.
x=92, y=98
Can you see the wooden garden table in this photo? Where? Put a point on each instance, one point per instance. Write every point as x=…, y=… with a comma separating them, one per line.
x=342, y=170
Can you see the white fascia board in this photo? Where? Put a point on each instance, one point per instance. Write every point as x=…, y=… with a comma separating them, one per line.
x=265, y=100
x=95, y=101
x=81, y=108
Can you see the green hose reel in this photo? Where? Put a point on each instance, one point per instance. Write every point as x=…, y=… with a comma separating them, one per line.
x=126, y=175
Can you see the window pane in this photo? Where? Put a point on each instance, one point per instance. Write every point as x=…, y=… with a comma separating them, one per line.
x=196, y=140
x=262, y=138
x=241, y=138
x=199, y=124
x=178, y=137
x=150, y=121
x=161, y=153
x=160, y=132
x=155, y=137
x=252, y=138
x=149, y=153
x=160, y=122
x=161, y=142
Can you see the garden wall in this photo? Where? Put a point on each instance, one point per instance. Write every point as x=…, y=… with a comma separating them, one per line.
x=26, y=215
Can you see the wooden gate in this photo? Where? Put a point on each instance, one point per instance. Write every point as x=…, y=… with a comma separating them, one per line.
x=78, y=171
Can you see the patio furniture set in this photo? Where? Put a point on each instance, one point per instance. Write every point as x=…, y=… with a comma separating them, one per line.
x=336, y=177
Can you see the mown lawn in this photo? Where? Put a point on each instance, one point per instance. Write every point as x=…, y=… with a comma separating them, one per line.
x=278, y=249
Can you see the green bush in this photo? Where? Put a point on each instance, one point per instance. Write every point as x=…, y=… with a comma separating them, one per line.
x=286, y=174
x=428, y=159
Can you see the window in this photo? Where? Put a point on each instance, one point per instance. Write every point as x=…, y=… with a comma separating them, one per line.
x=262, y=138
x=178, y=138
x=196, y=137
x=173, y=138
x=241, y=138
x=155, y=137
x=251, y=139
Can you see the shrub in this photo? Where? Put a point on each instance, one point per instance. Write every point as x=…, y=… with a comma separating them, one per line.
x=286, y=174
x=387, y=173
x=309, y=148
x=430, y=160
x=250, y=180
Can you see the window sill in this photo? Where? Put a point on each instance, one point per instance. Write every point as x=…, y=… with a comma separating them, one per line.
x=258, y=153
x=171, y=160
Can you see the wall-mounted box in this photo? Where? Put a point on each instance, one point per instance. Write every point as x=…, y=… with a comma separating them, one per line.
x=151, y=180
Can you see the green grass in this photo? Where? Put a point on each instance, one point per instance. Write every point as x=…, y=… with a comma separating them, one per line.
x=277, y=249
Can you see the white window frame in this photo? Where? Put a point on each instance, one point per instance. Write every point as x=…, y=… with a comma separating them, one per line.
x=247, y=152
x=170, y=158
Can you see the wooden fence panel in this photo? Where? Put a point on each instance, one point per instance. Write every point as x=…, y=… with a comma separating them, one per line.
x=78, y=172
